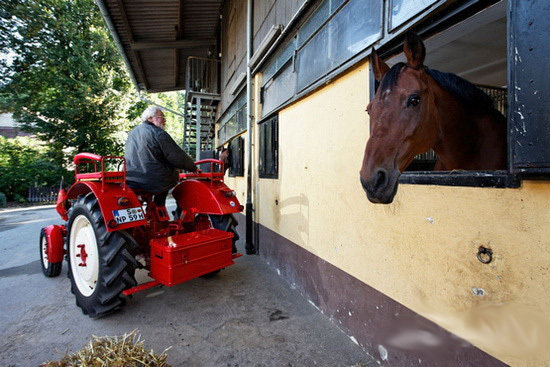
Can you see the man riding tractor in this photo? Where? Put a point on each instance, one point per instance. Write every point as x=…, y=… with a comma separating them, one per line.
x=153, y=157
x=117, y=222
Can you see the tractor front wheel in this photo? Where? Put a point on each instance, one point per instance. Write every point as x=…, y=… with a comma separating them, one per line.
x=49, y=269
x=101, y=264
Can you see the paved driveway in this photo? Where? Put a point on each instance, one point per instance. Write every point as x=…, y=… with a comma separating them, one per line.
x=245, y=316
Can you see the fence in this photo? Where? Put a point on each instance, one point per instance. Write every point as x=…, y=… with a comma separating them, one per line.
x=42, y=194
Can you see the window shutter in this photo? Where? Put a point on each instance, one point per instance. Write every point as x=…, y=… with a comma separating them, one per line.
x=529, y=90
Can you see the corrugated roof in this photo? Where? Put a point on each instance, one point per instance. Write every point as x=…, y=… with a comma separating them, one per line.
x=157, y=36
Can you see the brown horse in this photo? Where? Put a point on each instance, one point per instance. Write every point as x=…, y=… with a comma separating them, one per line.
x=225, y=157
x=416, y=109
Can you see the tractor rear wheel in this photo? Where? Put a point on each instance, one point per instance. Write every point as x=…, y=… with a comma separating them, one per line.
x=101, y=264
x=49, y=269
x=226, y=223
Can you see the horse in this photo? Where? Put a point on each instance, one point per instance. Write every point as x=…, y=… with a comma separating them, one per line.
x=225, y=157
x=416, y=109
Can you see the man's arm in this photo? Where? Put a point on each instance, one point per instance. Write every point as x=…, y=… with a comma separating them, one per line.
x=174, y=154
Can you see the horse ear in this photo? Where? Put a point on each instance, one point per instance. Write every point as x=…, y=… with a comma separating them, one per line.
x=379, y=67
x=414, y=50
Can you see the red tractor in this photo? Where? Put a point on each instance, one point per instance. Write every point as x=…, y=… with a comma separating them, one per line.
x=108, y=234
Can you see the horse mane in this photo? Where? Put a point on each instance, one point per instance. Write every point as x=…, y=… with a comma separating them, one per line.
x=471, y=96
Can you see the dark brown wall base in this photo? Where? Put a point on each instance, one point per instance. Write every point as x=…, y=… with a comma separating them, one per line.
x=389, y=331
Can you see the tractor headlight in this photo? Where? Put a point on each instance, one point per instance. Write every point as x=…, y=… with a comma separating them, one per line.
x=229, y=193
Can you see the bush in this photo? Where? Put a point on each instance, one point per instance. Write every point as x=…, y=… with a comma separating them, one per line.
x=3, y=200
x=25, y=162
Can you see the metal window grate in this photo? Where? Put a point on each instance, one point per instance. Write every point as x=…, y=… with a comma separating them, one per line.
x=426, y=161
x=237, y=157
x=269, y=148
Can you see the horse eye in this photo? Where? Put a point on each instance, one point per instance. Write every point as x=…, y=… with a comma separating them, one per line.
x=413, y=100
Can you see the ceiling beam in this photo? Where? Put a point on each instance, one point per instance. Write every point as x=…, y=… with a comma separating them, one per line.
x=176, y=67
x=177, y=44
x=179, y=35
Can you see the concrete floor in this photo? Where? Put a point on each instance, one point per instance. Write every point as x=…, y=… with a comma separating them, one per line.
x=245, y=316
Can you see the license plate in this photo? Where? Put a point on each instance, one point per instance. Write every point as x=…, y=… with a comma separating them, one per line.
x=128, y=215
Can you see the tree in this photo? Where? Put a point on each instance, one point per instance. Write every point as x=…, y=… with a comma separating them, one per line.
x=65, y=81
x=24, y=162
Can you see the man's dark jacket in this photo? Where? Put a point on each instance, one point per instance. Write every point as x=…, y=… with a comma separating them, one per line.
x=152, y=157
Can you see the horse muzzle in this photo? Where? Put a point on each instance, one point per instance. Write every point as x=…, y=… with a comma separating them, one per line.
x=381, y=186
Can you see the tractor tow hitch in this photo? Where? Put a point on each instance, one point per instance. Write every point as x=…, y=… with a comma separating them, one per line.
x=141, y=287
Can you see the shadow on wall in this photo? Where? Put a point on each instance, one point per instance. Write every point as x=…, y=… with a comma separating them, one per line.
x=292, y=210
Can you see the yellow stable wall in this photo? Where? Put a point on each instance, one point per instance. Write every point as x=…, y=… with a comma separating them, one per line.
x=420, y=250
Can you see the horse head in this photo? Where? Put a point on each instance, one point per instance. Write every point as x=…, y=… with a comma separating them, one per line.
x=402, y=121
x=225, y=157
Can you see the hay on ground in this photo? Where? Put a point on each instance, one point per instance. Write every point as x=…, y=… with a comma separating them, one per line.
x=127, y=351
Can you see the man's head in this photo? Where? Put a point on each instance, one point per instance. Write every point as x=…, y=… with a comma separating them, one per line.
x=154, y=115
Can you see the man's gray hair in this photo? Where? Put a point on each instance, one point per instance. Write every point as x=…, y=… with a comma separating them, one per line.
x=150, y=112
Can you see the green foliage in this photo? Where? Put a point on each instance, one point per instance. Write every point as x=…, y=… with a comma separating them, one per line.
x=3, y=200
x=24, y=162
x=174, y=123
x=65, y=81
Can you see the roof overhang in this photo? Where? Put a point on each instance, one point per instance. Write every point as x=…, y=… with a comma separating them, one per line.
x=155, y=37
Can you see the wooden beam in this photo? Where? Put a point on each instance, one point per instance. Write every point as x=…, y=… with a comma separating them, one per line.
x=179, y=35
x=176, y=67
x=177, y=44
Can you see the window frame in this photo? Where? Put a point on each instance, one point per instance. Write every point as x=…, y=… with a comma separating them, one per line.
x=494, y=179
x=263, y=171
x=322, y=79
x=236, y=145
x=236, y=112
x=431, y=20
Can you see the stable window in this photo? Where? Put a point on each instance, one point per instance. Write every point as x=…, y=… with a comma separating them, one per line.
x=492, y=48
x=334, y=32
x=269, y=148
x=233, y=120
x=236, y=159
x=474, y=49
x=341, y=31
x=498, y=45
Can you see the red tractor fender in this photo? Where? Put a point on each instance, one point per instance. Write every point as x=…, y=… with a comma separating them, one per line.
x=208, y=197
x=54, y=236
x=110, y=197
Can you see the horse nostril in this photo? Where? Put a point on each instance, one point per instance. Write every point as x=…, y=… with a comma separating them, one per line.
x=381, y=178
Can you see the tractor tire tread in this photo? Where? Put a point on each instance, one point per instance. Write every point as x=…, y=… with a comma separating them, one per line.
x=113, y=272
x=116, y=262
x=53, y=269
x=226, y=223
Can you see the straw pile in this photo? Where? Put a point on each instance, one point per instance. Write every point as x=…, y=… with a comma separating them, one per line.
x=127, y=351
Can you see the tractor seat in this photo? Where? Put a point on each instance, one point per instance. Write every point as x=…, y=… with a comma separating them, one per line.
x=144, y=196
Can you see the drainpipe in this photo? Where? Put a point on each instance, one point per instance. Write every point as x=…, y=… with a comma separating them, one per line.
x=250, y=246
